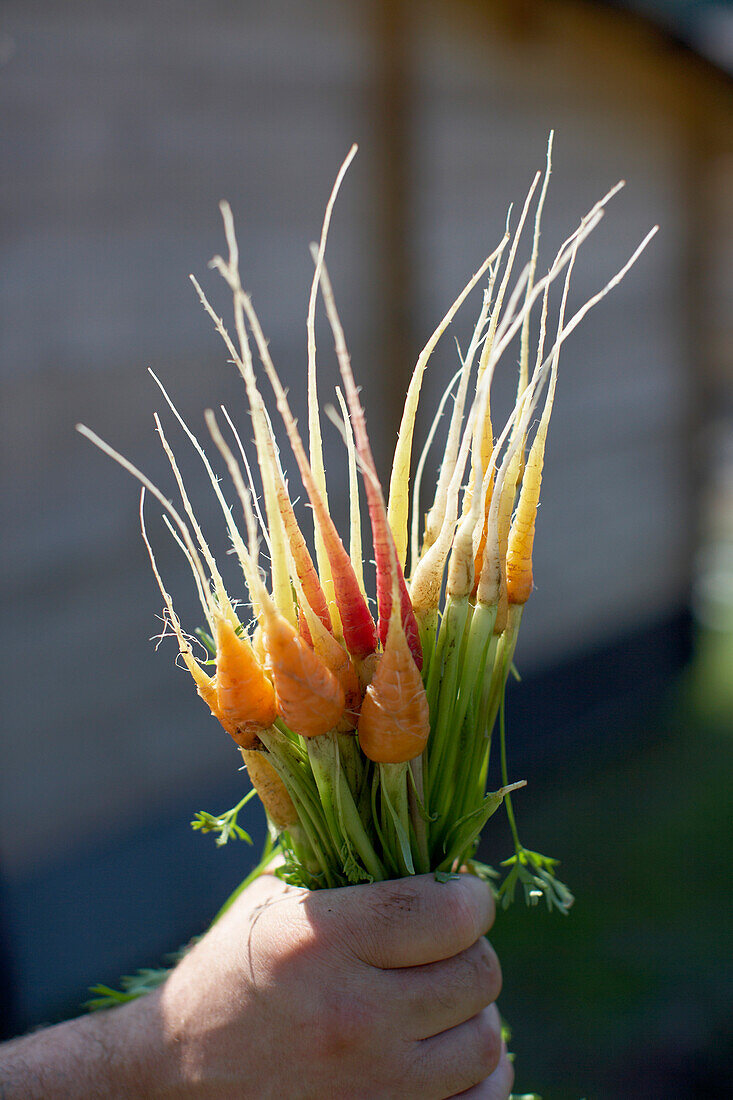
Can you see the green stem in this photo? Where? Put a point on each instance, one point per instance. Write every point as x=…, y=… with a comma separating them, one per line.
x=416, y=796
x=515, y=618
x=479, y=634
x=338, y=802
x=393, y=778
x=441, y=711
x=300, y=784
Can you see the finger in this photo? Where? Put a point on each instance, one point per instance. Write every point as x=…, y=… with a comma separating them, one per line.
x=408, y=922
x=497, y=1086
x=463, y=1057
x=438, y=996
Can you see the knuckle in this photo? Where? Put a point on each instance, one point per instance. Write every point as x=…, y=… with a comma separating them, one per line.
x=344, y=1025
x=394, y=902
x=464, y=917
x=488, y=1043
x=489, y=976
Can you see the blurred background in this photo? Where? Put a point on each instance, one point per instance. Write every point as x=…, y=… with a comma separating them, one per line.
x=122, y=128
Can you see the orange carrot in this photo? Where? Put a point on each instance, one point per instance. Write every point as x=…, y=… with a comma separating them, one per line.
x=394, y=723
x=388, y=566
x=310, y=699
x=245, y=696
x=358, y=627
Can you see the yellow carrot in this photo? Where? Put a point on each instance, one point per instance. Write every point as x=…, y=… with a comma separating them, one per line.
x=399, y=482
x=271, y=789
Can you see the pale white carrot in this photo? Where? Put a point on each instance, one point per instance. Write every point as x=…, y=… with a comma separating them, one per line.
x=315, y=441
x=417, y=482
x=356, y=550
x=159, y=496
x=399, y=484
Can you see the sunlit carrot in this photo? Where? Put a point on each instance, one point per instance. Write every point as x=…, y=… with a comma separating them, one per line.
x=388, y=567
x=315, y=443
x=245, y=696
x=272, y=792
x=355, y=541
x=394, y=723
x=302, y=561
x=434, y=519
x=399, y=482
x=357, y=624
x=334, y=656
x=310, y=700
x=282, y=593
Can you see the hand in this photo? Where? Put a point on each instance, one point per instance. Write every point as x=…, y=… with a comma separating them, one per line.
x=373, y=991
x=364, y=993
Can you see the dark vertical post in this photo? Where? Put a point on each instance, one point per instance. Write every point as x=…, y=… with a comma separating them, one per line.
x=394, y=297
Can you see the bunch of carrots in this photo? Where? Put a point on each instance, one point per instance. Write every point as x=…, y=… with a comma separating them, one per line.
x=370, y=743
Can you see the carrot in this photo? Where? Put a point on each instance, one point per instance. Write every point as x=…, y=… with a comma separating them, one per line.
x=282, y=593
x=314, y=425
x=245, y=696
x=399, y=482
x=302, y=561
x=394, y=723
x=272, y=791
x=355, y=544
x=335, y=658
x=357, y=625
x=388, y=566
x=309, y=697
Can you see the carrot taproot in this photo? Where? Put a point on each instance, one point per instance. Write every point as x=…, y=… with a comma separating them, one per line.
x=355, y=542
x=244, y=694
x=272, y=792
x=399, y=482
x=394, y=723
x=205, y=685
x=309, y=698
x=318, y=636
x=357, y=625
x=315, y=442
x=298, y=548
x=388, y=567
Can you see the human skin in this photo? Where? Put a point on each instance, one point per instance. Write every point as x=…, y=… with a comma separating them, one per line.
x=368, y=992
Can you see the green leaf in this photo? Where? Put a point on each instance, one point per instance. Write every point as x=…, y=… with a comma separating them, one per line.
x=135, y=985
x=536, y=874
x=467, y=828
x=225, y=825
x=402, y=837
x=206, y=640
x=446, y=876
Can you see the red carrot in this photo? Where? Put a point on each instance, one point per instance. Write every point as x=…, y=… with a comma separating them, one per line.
x=384, y=547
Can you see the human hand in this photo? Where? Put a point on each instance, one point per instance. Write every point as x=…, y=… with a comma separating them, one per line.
x=384, y=990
